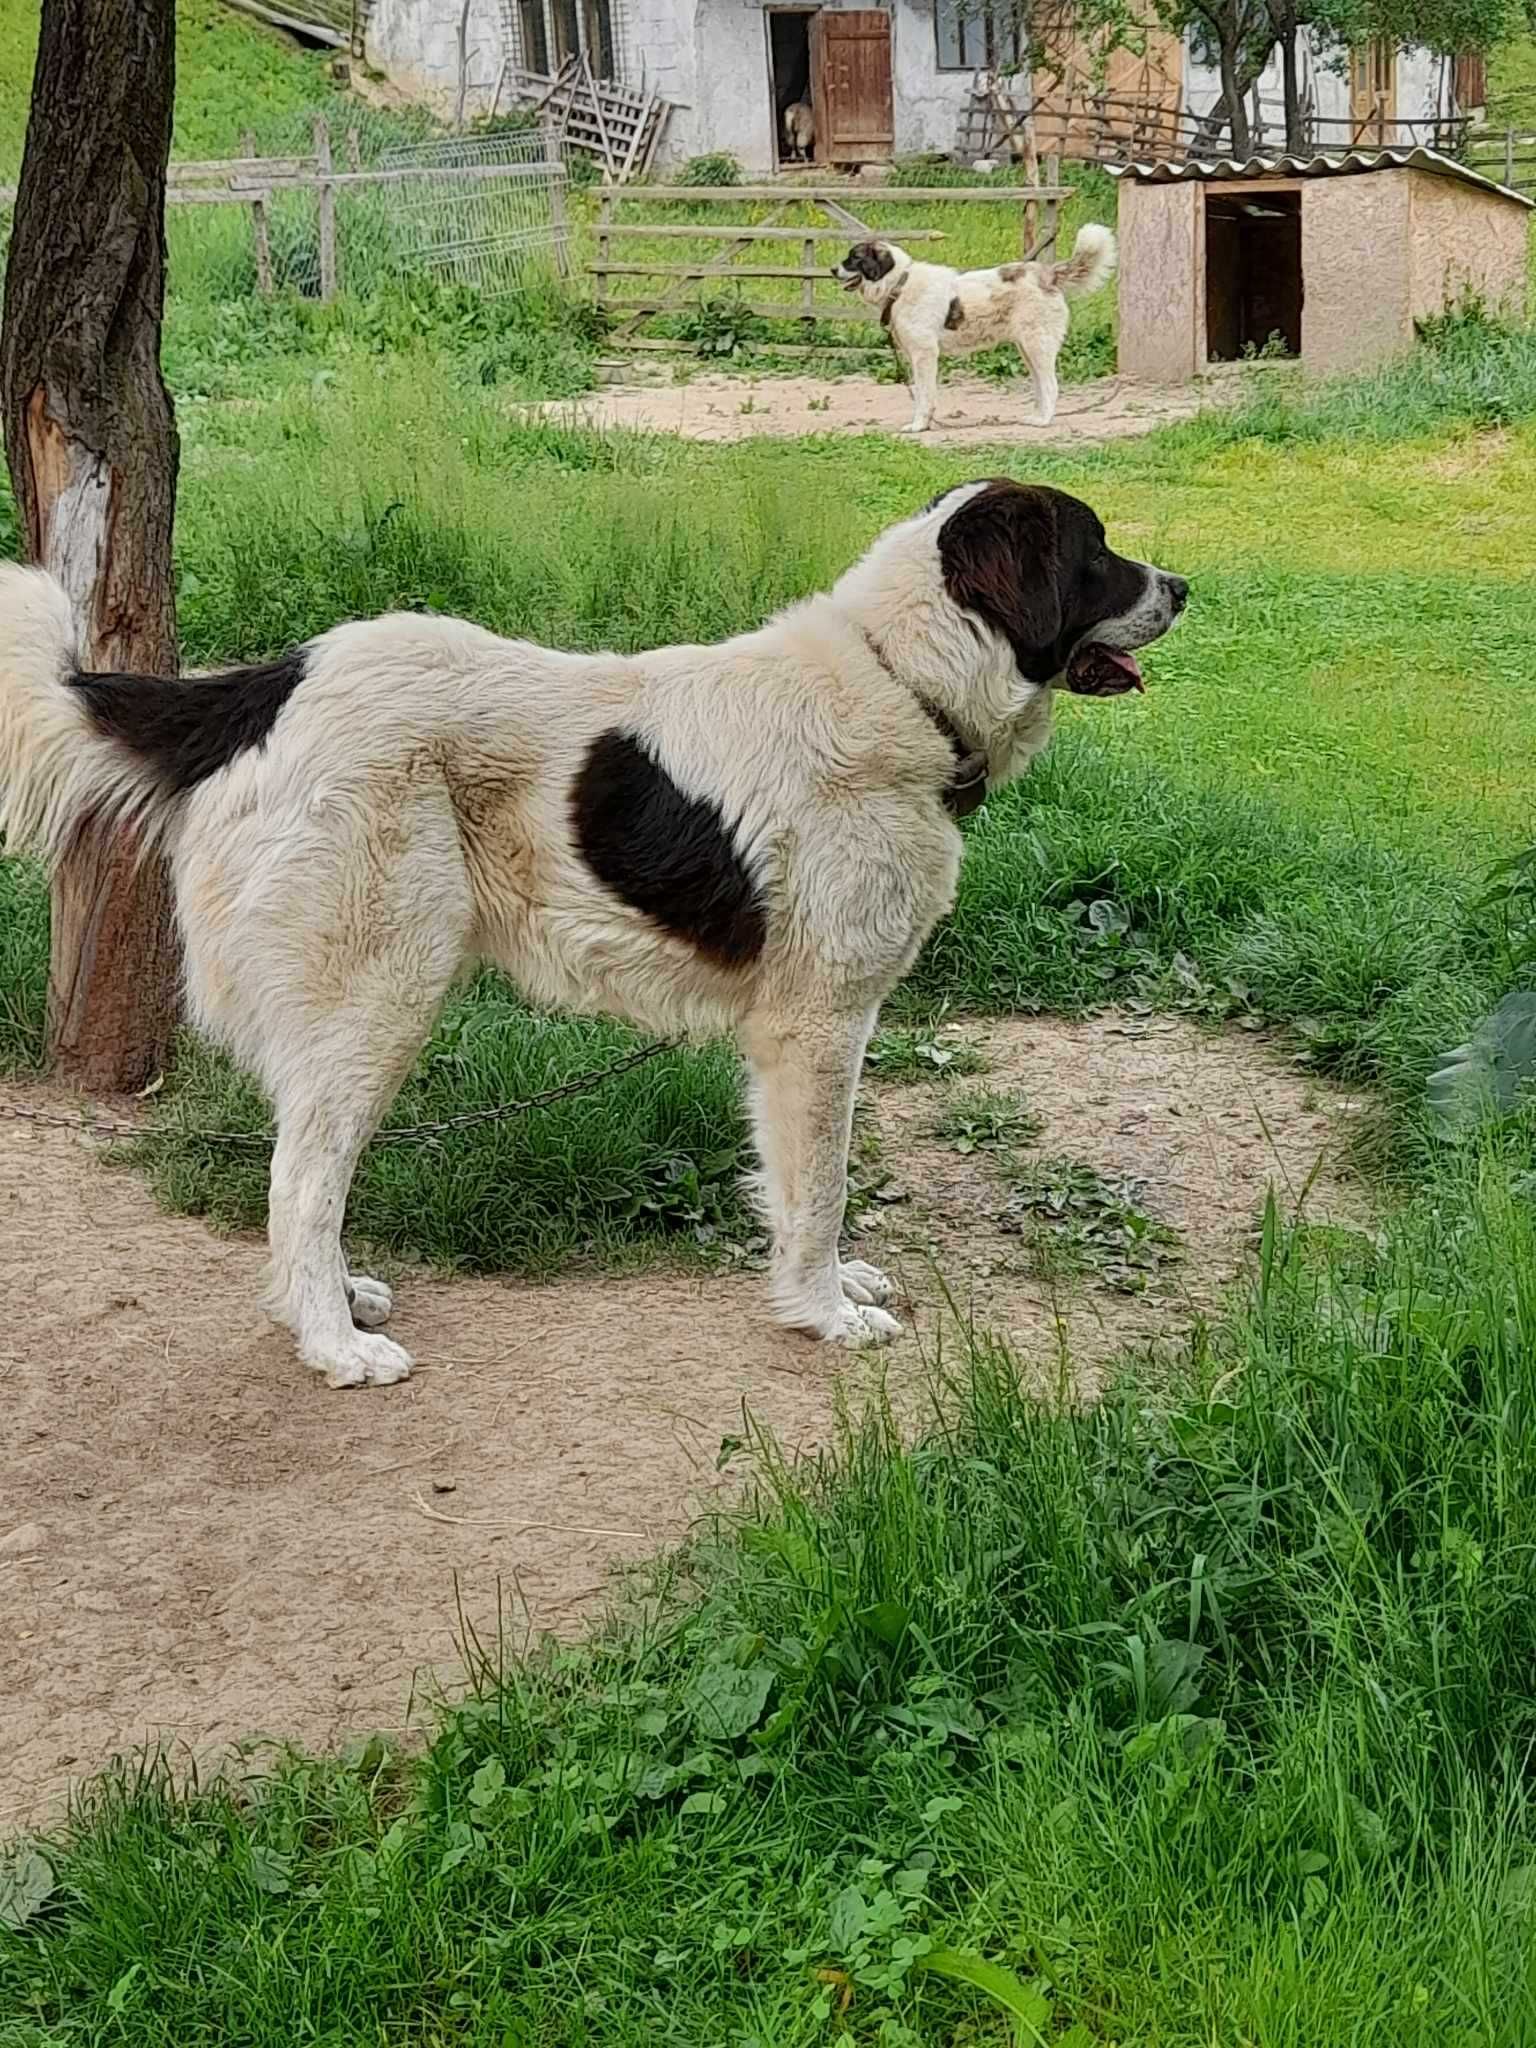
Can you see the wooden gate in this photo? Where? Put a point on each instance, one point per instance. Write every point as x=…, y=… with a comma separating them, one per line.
x=851, y=86
x=797, y=256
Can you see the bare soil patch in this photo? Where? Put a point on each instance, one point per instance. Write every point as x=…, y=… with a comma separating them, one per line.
x=199, y=1541
x=738, y=408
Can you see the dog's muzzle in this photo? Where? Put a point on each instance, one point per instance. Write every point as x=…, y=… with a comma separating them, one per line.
x=850, y=280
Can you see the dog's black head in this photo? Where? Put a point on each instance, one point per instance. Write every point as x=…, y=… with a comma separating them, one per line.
x=1034, y=565
x=865, y=263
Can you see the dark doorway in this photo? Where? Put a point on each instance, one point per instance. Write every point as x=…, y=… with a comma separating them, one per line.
x=1253, y=289
x=789, y=62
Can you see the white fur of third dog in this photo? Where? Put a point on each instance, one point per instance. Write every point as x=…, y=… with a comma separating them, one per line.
x=933, y=311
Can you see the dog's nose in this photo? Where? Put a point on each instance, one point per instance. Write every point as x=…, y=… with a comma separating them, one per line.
x=1178, y=590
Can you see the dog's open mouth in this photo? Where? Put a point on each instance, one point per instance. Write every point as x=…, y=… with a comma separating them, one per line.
x=849, y=284
x=1099, y=671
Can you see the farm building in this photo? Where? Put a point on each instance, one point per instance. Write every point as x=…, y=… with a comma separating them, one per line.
x=909, y=77
x=1332, y=258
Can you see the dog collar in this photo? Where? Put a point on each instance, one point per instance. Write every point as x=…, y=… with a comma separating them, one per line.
x=888, y=306
x=966, y=789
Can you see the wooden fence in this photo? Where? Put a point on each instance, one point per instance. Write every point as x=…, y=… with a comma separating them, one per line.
x=1508, y=156
x=819, y=299
x=1114, y=128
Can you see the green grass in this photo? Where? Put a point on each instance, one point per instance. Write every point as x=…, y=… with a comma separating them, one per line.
x=231, y=74
x=1206, y=1714
x=1293, y=823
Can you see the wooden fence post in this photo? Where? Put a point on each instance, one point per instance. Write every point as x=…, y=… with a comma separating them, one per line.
x=558, y=224
x=327, y=210
x=604, y=223
x=1031, y=160
x=259, y=228
x=1052, y=205
x=1509, y=156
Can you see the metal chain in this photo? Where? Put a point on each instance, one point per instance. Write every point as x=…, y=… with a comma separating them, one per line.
x=400, y=1134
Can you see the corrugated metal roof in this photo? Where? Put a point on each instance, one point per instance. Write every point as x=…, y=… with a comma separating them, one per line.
x=1348, y=164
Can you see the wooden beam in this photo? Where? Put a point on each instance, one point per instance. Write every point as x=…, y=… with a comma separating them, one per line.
x=784, y=310
x=315, y=31
x=882, y=195
x=741, y=234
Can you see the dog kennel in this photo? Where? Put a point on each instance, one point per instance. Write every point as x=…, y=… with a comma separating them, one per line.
x=1327, y=260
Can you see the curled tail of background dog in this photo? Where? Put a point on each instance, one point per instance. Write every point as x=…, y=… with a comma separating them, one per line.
x=1091, y=263
x=124, y=749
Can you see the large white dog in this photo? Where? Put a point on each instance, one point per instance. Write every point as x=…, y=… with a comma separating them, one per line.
x=750, y=839
x=931, y=311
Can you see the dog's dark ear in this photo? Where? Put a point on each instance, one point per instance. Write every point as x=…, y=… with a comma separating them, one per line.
x=1001, y=560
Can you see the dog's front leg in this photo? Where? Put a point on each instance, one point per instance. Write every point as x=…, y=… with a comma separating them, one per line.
x=804, y=1073
x=925, y=389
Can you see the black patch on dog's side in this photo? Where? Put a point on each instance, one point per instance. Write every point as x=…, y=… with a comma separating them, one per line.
x=1032, y=564
x=665, y=853
x=190, y=730
x=955, y=317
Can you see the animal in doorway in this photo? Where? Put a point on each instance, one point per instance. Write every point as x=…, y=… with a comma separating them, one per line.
x=799, y=132
x=930, y=310
x=748, y=840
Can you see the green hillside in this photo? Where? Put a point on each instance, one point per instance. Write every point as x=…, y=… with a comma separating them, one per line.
x=230, y=71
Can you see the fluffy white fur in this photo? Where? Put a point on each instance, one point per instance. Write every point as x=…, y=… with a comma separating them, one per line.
x=931, y=311
x=410, y=815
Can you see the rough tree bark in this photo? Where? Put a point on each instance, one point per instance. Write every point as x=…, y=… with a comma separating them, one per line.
x=91, y=441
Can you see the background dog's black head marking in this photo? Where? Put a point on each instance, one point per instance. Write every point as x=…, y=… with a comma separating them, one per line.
x=664, y=852
x=1033, y=564
x=955, y=317
x=872, y=261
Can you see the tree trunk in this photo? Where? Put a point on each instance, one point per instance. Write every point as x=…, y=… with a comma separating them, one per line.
x=1232, y=91
x=91, y=441
x=1295, y=141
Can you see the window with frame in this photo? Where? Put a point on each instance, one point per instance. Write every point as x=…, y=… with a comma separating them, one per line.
x=976, y=35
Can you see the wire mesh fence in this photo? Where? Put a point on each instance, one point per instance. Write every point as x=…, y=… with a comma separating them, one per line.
x=349, y=202
x=346, y=204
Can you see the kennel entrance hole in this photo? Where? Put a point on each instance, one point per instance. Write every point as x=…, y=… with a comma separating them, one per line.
x=1253, y=278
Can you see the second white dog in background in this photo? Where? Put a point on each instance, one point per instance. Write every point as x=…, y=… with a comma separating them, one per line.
x=931, y=310
x=799, y=132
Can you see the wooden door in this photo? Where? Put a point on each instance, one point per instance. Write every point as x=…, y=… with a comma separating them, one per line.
x=1373, y=92
x=851, y=85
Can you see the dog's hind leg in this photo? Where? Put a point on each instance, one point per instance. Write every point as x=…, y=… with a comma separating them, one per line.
x=343, y=959
x=1040, y=352
x=803, y=1078
x=924, y=363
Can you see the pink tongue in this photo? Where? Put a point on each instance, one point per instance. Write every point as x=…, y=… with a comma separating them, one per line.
x=1126, y=663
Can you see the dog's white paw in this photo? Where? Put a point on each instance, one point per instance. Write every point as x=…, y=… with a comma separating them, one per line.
x=366, y=1362
x=864, y=1284
x=915, y=427
x=370, y=1300
x=858, y=1327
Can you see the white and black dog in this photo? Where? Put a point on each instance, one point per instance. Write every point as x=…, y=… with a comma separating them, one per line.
x=751, y=839
x=931, y=311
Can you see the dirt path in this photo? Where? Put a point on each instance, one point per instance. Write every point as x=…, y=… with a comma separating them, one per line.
x=199, y=1541
x=713, y=408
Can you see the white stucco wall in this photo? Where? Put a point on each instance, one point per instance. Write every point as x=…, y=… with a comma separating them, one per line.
x=723, y=99
x=416, y=43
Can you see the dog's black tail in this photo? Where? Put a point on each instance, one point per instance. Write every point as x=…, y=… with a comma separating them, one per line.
x=75, y=745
